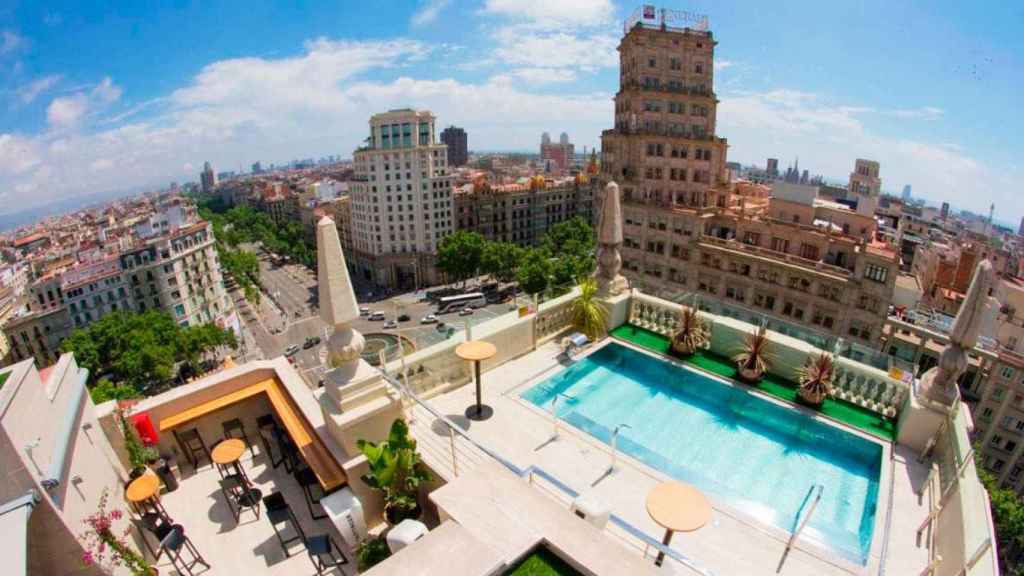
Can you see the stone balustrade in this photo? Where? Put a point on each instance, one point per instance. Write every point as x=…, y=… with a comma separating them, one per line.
x=854, y=382
x=554, y=316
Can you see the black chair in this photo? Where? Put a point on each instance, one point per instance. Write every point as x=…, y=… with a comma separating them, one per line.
x=174, y=543
x=279, y=512
x=239, y=496
x=193, y=446
x=312, y=490
x=154, y=524
x=269, y=433
x=234, y=429
x=290, y=452
x=324, y=553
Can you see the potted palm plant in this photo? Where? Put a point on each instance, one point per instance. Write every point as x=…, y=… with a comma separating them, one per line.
x=395, y=470
x=754, y=359
x=692, y=333
x=816, y=379
x=588, y=313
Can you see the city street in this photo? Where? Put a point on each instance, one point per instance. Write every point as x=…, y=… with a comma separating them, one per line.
x=288, y=315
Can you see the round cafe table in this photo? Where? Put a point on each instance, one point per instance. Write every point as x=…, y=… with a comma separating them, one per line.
x=677, y=507
x=477, y=351
x=144, y=492
x=228, y=453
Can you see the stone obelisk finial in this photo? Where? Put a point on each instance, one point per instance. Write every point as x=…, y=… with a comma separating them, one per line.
x=609, y=241
x=938, y=384
x=338, y=306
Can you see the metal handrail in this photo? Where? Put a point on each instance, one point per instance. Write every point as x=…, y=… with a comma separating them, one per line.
x=534, y=470
x=800, y=526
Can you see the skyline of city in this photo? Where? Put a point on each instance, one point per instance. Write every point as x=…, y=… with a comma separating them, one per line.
x=119, y=128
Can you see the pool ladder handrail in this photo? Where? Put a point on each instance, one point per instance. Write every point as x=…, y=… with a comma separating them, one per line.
x=800, y=526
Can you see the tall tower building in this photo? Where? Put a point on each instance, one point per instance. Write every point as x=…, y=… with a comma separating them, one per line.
x=401, y=200
x=559, y=155
x=207, y=179
x=865, y=185
x=458, y=145
x=906, y=193
x=663, y=149
x=772, y=168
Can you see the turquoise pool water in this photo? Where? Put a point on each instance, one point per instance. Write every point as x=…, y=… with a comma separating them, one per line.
x=757, y=456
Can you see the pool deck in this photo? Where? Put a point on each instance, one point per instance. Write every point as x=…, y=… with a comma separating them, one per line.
x=730, y=544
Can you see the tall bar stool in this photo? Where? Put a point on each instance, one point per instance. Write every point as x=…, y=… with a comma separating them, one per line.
x=279, y=512
x=174, y=543
x=193, y=446
x=235, y=429
x=267, y=429
x=312, y=490
x=239, y=497
x=324, y=552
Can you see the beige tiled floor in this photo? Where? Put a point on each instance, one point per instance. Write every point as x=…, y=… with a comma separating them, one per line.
x=730, y=544
x=248, y=547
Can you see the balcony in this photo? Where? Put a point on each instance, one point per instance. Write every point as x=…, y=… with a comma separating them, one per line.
x=835, y=272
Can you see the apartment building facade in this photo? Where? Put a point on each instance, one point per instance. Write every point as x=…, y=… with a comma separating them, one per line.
x=401, y=200
x=523, y=213
x=810, y=266
x=178, y=272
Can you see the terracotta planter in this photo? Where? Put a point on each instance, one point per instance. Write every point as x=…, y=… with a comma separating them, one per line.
x=812, y=398
x=749, y=375
x=682, y=350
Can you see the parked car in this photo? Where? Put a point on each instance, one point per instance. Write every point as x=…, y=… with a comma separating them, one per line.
x=377, y=316
x=291, y=350
x=364, y=311
x=390, y=324
x=429, y=319
x=403, y=318
x=311, y=341
x=441, y=327
x=466, y=312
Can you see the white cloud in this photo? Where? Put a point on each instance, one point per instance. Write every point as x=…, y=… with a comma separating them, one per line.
x=723, y=64
x=11, y=41
x=241, y=110
x=550, y=14
x=556, y=49
x=67, y=111
x=535, y=76
x=106, y=92
x=32, y=90
x=428, y=12
x=924, y=113
x=828, y=138
x=18, y=155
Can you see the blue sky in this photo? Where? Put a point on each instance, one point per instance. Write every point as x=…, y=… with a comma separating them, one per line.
x=101, y=96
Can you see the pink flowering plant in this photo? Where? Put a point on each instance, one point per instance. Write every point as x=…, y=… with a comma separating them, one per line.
x=104, y=547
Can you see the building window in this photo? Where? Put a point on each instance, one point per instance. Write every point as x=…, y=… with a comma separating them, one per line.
x=1007, y=372
x=876, y=273
x=998, y=392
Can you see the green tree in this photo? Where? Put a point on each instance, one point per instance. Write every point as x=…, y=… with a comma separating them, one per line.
x=105, y=390
x=459, y=254
x=535, y=271
x=574, y=235
x=1008, y=517
x=501, y=260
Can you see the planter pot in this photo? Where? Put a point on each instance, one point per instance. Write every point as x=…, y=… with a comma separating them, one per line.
x=682, y=350
x=136, y=472
x=393, y=516
x=749, y=375
x=812, y=399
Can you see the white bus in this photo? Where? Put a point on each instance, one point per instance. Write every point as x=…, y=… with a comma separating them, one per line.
x=454, y=303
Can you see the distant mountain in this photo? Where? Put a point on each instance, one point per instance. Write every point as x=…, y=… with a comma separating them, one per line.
x=12, y=220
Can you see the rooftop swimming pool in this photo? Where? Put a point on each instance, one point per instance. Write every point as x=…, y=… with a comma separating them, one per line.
x=756, y=456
